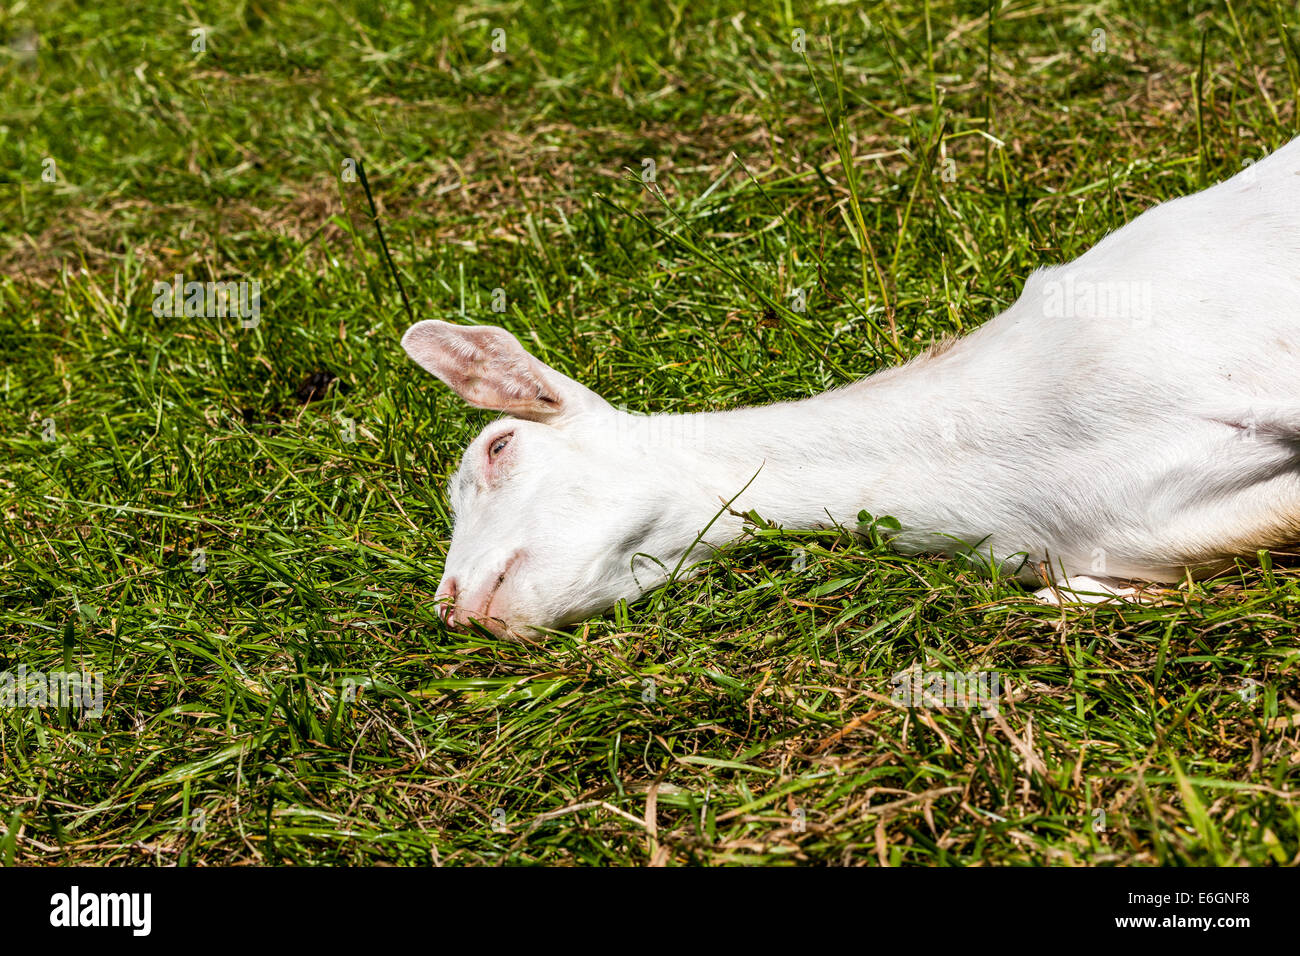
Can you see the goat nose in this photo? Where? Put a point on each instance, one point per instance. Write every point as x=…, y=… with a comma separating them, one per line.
x=446, y=595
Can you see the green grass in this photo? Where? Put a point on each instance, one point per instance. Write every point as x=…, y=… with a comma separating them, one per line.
x=229, y=734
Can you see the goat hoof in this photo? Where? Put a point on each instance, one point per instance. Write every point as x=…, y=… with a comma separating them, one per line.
x=1081, y=589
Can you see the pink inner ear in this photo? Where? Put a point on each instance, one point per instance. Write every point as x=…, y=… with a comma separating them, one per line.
x=484, y=365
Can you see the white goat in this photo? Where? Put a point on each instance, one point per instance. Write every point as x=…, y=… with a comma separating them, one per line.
x=1134, y=415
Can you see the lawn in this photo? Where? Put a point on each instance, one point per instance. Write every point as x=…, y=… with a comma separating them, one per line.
x=240, y=524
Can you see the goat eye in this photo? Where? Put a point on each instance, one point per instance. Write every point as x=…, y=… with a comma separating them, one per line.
x=499, y=445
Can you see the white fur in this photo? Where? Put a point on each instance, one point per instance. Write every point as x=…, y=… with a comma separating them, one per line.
x=1061, y=440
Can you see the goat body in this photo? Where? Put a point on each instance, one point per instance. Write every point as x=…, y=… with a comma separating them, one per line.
x=1134, y=415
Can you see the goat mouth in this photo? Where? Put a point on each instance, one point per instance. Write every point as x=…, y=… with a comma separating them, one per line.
x=492, y=595
x=457, y=616
x=501, y=579
x=493, y=625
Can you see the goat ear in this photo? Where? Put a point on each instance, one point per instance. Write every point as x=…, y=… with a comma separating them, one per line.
x=488, y=368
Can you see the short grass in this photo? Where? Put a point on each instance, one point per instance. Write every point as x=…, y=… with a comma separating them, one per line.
x=288, y=696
